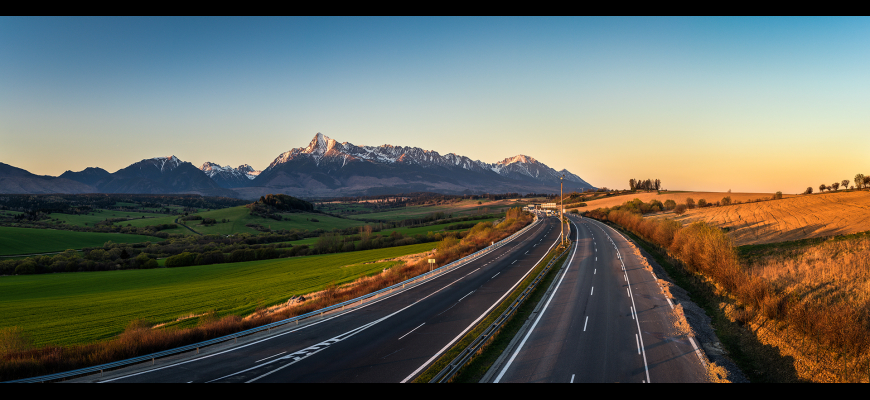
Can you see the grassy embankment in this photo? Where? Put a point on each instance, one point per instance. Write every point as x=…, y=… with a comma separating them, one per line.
x=30, y=241
x=407, y=231
x=784, y=315
x=66, y=309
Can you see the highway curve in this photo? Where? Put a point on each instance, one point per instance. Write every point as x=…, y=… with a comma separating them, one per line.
x=602, y=323
x=391, y=339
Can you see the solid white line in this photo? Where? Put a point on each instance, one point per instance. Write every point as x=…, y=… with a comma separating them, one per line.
x=412, y=330
x=547, y=304
x=276, y=355
x=638, y=343
x=584, y=324
x=572, y=378
x=593, y=291
x=473, y=323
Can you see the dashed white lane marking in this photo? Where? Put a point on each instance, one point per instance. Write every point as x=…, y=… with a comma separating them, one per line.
x=527, y=252
x=412, y=330
x=594, y=271
x=627, y=292
x=469, y=294
x=584, y=324
x=276, y=355
x=593, y=291
x=632, y=312
x=636, y=340
x=572, y=378
x=514, y=262
x=496, y=274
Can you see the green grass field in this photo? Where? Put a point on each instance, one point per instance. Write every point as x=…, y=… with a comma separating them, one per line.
x=87, y=306
x=239, y=217
x=29, y=241
x=405, y=231
x=458, y=209
x=102, y=215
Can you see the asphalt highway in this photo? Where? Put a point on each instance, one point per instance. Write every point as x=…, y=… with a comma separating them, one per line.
x=606, y=321
x=392, y=339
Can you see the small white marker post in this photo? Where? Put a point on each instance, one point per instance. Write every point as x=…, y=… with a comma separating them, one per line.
x=431, y=264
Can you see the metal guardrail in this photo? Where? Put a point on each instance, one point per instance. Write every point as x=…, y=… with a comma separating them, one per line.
x=269, y=327
x=446, y=374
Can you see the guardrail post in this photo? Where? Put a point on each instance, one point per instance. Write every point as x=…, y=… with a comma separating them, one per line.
x=197, y=350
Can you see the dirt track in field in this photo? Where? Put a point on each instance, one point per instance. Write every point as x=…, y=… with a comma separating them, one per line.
x=792, y=218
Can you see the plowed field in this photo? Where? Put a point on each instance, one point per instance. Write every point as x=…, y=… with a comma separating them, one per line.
x=679, y=197
x=792, y=218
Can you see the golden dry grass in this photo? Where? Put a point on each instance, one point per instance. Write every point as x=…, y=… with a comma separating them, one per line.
x=680, y=198
x=792, y=218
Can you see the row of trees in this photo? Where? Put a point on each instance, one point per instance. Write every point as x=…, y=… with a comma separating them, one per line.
x=860, y=180
x=648, y=184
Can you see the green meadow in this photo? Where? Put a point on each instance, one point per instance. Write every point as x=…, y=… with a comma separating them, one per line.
x=28, y=240
x=405, y=231
x=240, y=216
x=82, y=307
x=101, y=215
x=458, y=209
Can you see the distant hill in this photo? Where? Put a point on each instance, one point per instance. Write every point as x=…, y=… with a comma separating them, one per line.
x=88, y=176
x=162, y=175
x=15, y=180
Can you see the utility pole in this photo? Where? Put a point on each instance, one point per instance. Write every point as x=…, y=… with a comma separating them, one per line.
x=561, y=207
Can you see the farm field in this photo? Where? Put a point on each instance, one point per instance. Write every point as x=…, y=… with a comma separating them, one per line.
x=792, y=218
x=239, y=217
x=102, y=215
x=405, y=231
x=458, y=209
x=679, y=197
x=29, y=241
x=89, y=306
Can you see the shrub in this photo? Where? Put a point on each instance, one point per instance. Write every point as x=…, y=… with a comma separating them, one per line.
x=680, y=209
x=670, y=204
x=726, y=201
x=778, y=195
x=181, y=260
x=702, y=203
x=690, y=202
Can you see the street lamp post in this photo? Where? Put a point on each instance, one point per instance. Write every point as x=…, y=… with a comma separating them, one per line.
x=561, y=208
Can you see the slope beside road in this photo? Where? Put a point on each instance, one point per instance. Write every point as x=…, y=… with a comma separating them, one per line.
x=606, y=320
x=391, y=339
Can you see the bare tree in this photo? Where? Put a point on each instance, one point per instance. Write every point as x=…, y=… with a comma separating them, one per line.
x=845, y=184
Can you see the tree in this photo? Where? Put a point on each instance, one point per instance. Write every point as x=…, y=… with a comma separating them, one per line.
x=859, y=181
x=836, y=186
x=690, y=202
x=631, y=184
x=809, y=190
x=845, y=184
x=658, y=184
x=866, y=181
x=777, y=195
x=822, y=187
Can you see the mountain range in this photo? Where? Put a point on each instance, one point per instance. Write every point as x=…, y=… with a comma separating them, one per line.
x=324, y=168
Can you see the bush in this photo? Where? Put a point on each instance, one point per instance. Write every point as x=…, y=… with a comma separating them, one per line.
x=181, y=260
x=777, y=196
x=680, y=209
x=726, y=201
x=702, y=203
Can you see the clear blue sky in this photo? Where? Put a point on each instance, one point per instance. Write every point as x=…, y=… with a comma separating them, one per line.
x=748, y=104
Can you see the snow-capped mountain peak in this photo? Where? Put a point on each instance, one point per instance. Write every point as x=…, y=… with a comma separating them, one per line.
x=228, y=176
